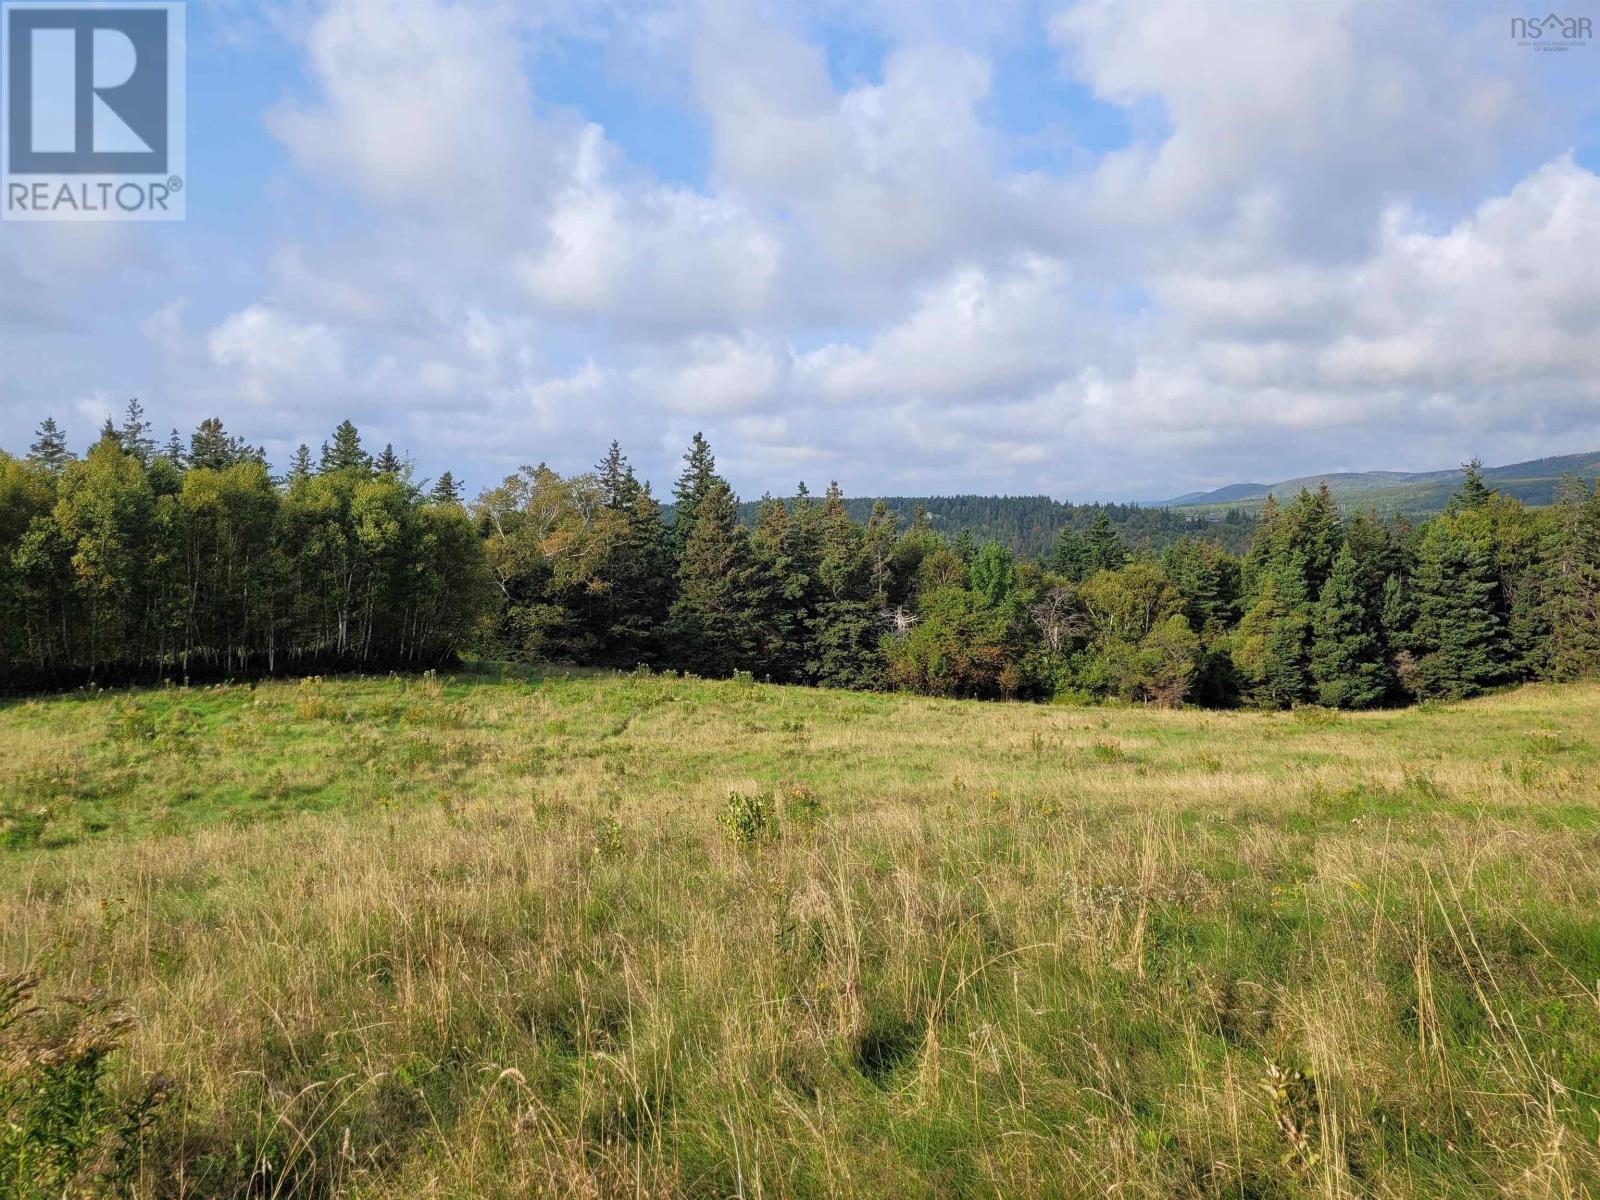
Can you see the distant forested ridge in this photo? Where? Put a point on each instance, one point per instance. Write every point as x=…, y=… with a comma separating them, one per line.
x=142, y=560
x=1030, y=525
x=1414, y=493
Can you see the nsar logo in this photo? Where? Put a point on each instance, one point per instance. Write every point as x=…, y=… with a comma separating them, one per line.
x=1552, y=32
x=93, y=120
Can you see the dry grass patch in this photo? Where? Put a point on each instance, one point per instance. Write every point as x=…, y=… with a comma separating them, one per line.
x=643, y=936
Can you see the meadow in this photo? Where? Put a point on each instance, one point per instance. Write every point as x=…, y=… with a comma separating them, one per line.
x=563, y=934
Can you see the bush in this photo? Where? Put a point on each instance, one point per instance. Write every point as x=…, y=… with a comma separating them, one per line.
x=62, y=1131
x=748, y=820
x=801, y=807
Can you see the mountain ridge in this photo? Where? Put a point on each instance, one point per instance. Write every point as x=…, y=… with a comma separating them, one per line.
x=1533, y=482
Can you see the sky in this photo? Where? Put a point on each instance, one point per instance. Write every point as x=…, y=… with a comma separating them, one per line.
x=1099, y=250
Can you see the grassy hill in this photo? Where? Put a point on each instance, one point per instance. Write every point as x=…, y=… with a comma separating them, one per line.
x=605, y=936
x=1389, y=492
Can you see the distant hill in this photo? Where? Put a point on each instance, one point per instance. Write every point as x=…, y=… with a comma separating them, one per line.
x=1030, y=524
x=1416, y=492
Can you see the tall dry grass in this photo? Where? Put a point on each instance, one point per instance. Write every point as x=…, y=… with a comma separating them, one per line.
x=400, y=939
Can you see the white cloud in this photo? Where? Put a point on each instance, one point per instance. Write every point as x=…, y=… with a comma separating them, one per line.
x=1341, y=239
x=423, y=105
x=662, y=257
x=1291, y=125
x=269, y=347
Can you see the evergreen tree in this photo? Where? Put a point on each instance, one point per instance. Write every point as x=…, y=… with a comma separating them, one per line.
x=965, y=547
x=881, y=538
x=786, y=561
x=174, y=452
x=212, y=448
x=1263, y=545
x=1104, y=545
x=1473, y=493
x=445, y=489
x=699, y=476
x=135, y=434
x=1271, y=642
x=613, y=473
x=1312, y=532
x=345, y=454
x=1456, y=629
x=300, y=466
x=1071, y=556
x=843, y=631
x=643, y=583
x=1567, y=589
x=1208, y=579
x=716, y=617
x=49, y=449
x=1347, y=654
x=388, y=462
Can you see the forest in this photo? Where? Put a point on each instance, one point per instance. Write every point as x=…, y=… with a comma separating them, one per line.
x=142, y=561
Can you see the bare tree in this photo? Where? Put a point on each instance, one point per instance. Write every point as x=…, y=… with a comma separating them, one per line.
x=899, y=620
x=1059, y=618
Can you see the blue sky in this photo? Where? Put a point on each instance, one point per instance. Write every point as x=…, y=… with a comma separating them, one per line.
x=1099, y=250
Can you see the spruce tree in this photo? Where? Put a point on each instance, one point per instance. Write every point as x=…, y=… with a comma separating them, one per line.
x=613, y=473
x=1457, y=628
x=346, y=453
x=1567, y=590
x=716, y=617
x=788, y=584
x=1347, y=653
x=174, y=452
x=699, y=476
x=965, y=547
x=1271, y=642
x=135, y=434
x=1105, y=549
x=1473, y=493
x=445, y=489
x=300, y=466
x=843, y=631
x=1312, y=530
x=1208, y=579
x=49, y=449
x=213, y=448
x=1071, y=556
x=881, y=537
x=388, y=462
x=643, y=581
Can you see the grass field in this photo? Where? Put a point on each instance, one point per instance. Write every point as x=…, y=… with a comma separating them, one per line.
x=640, y=936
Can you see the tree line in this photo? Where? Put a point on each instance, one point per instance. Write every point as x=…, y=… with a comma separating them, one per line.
x=140, y=560
x=1031, y=524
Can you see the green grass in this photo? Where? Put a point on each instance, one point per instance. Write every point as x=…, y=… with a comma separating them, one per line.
x=581, y=934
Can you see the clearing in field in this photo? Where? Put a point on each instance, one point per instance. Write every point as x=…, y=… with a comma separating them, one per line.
x=597, y=936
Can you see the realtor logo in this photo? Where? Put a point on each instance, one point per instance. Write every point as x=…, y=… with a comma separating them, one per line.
x=93, y=119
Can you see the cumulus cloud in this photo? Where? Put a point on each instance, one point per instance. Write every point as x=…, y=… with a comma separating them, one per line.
x=662, y=257
x=1330, y=235
x=419, y=104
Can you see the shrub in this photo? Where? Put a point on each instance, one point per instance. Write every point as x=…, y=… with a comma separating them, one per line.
x=747, y=820
x=801, y=807
x=608, y=837
x=62, y=1131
